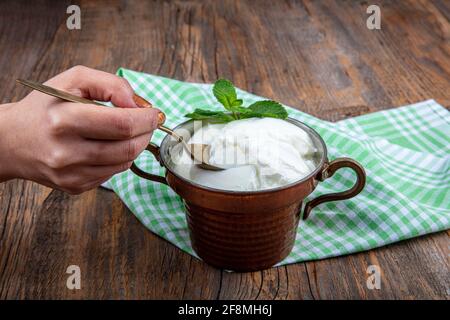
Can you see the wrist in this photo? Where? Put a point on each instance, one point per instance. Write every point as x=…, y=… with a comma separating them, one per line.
x=6, y=162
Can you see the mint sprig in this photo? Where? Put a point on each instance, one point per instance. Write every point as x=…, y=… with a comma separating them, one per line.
x=225, y=93
x=214, y=116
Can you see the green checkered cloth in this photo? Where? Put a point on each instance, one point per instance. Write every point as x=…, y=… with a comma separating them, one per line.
x=405, y=151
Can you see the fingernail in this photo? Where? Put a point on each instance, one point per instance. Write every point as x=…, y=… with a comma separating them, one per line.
x=161, y=118
x=141, y=102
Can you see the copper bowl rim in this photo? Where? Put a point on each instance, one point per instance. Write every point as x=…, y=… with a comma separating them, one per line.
x=264, y=191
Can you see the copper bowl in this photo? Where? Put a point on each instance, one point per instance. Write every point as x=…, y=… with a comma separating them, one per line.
x=248, y=231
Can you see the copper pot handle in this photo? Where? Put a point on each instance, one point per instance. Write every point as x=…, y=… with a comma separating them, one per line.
x=327, y=171
x=153, y=148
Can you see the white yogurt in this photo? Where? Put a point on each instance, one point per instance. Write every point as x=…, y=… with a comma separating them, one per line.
x=267, y=153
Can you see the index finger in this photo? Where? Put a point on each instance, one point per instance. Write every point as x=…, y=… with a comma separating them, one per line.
x=96, y=85
x=109, y=123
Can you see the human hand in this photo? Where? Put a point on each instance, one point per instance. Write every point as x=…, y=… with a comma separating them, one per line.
x=71, y=146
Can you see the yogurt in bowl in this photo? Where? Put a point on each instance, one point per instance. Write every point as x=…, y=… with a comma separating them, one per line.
x=263, y=153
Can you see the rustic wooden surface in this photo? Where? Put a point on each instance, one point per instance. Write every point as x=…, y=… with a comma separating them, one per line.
x=318, y=56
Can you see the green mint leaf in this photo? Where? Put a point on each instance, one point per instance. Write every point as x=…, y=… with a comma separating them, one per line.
x=214, y=116
x=225, y=93
x=203, y=113
x=237, y=103
x=241, y=109
x=267, y=108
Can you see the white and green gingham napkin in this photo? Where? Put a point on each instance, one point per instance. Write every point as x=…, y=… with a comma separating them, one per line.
x=405, y=151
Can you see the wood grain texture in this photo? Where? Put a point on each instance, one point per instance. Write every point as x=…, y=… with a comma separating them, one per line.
x=317, y=56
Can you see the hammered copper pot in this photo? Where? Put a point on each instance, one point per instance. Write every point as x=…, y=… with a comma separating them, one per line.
x=248, y=231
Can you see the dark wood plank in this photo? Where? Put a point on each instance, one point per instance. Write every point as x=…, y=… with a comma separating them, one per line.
x=317, y=56
x=22, y=45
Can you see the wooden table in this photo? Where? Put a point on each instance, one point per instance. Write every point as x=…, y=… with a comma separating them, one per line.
x=317, y=56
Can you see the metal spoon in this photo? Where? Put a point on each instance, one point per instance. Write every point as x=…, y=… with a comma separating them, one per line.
x=197, y=151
